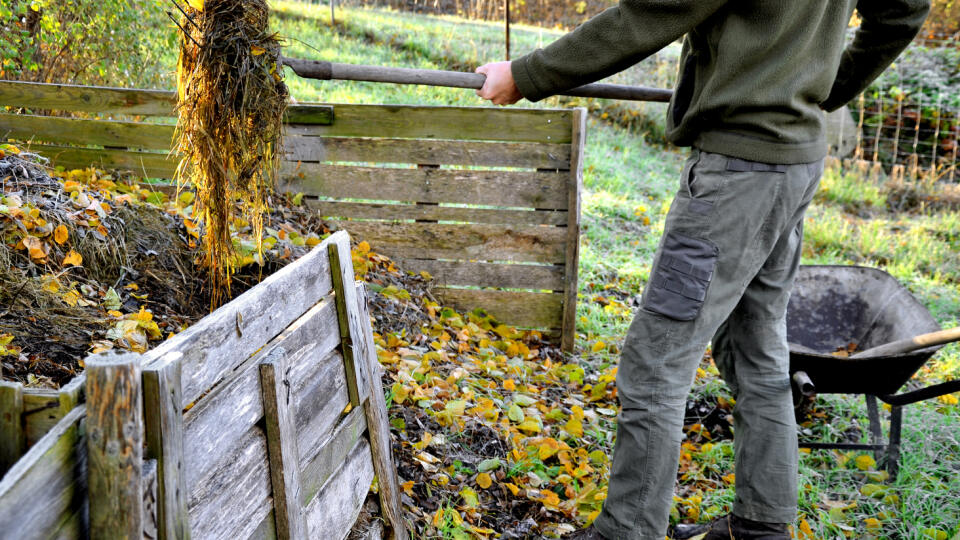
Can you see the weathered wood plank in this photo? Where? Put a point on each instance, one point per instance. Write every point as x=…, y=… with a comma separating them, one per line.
x=149, y=164
x=321, y=399
x=115, y=446
x=13, y=439
x=476, y=153
x=95, y=99
x=267, y=530
x=149, y=501
x=523, y=243
x=162, y=398
x=282, y=444
x=331, y=454
x=378, y=429
x=236, y=497
x=72, y=394
x=44, y=494
x=520, y=189
x=41, y=411
x=334, y=510
x=435, y=213
x=569, y=324
x=122, y=101
x=442, y=122
x=351, y=347
x=471, y=274
x=227, y=337
x=223, y=416
x=523, y=309
x=59, y=130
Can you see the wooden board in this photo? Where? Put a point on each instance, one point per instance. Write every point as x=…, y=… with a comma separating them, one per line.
x=523, y=309
x=441, y=122
x=456, y=242
x=331, y=453
x=519, y=189
x=490, y=154
x=148, y=164
x=569, y=325
x=77, y=131
x=410, y=212
x=227, y=337
x=511, y=276
x=13, y=440
x=44, y=494
x=41, y=411
x=333, y=511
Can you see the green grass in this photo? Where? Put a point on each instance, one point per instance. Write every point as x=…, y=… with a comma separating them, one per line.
x=629, y=180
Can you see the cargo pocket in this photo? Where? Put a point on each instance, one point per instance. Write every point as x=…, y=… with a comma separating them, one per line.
x=679, y=282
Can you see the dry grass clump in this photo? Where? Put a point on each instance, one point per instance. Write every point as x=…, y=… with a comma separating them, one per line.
x=231, y=100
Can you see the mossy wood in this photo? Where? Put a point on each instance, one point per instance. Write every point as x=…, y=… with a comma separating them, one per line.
x=246, y=422
x=502, y=186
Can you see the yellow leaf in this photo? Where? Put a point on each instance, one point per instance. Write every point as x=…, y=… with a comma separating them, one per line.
x=36, y=248
x=484, y=480
x=60, y=235
x=729, y=478
x=599, y=346
x=363, y=248
x=513, y=488
x=73, y=259
x=547, y=448
x=865, y=462
x=509, y=385
x=257, y=51
x=873, y=524
x=574, y=427
x=196, y=4
x=71, y=298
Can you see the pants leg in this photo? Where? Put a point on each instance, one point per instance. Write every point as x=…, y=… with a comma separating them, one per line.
x=725, y=223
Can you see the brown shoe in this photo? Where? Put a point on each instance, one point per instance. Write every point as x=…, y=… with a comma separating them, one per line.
x=731, y=527
x=588, y=533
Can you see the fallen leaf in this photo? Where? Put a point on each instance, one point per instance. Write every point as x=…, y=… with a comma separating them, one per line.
x=60, y=234
x=72, y=259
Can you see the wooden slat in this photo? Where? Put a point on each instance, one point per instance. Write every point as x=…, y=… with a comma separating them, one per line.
x=236, y=497
x=45, y=494
x=521, y=189
x=334, y=510
x=94, y=99
x=123, y=101
x=411, y=212
x=509, y=276
x=352, y=345
x=162, y=399
x=328, y=460
x=441, y=122
x=569, y=325
x=13, y=440
x=115, y=445
x=152, y=165
x=149, y=488
x=378, y=428
x=457, y=242
x=72, y=394
x=282, y=444
x=321, y=399
x=41, y=411
x=528, y=310
x=77, y=131
x=227, y=337
x=496, y=154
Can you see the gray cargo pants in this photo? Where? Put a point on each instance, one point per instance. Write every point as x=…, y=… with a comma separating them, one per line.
x=724, y=270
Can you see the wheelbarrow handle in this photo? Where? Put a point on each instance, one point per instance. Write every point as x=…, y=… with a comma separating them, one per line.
x=907, y=345
x=936, y=390
x=314, y=69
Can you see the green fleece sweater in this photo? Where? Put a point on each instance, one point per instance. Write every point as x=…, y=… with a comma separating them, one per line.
x=754, y=74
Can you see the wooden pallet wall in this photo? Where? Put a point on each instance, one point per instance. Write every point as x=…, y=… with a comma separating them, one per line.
x=486, y=200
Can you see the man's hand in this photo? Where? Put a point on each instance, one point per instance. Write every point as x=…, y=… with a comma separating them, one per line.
x=499, y=86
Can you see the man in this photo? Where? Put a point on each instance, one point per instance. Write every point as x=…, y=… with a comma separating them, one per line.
x=755, y=76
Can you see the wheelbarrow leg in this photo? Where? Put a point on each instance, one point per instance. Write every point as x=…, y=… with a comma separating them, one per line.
x=893, y=448
x=876, y=432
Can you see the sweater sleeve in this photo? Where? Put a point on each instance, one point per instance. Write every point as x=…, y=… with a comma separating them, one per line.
x=887, y=27
x=609, y=42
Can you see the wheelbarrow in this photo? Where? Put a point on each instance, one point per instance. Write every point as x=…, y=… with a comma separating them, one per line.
x=838, y=308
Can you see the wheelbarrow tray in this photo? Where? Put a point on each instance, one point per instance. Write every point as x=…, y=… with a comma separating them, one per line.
x=833, y=306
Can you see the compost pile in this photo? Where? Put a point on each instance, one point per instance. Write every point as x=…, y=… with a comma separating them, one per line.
x=92, y=262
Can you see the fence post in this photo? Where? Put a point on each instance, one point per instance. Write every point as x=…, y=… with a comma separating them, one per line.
x=13, y=439
x=114, y=446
